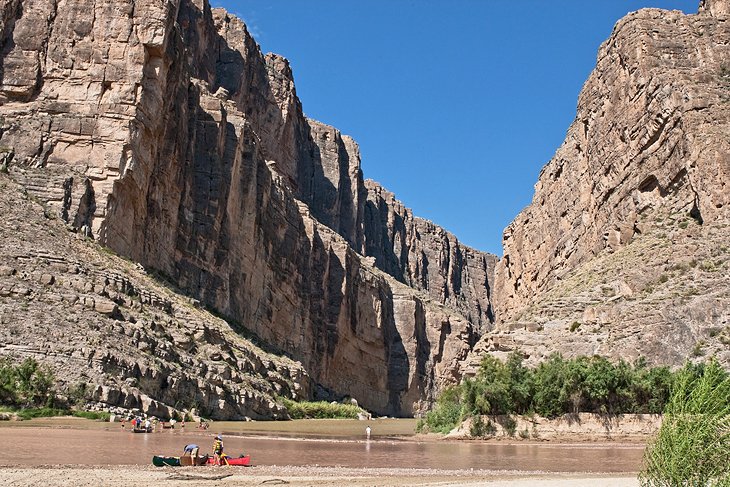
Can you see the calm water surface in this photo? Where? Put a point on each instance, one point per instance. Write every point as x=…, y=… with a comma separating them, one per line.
x=112, y=446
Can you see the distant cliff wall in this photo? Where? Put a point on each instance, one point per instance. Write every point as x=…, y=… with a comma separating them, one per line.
x=160, y=129
x=650, y=132
x=623, y=250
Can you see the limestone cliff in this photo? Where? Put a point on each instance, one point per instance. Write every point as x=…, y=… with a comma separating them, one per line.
x=624, y=248
x=161, y=130
x=426, y=257
x=102, y=321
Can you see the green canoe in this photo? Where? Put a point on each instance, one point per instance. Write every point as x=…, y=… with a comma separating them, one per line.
x=160, y=461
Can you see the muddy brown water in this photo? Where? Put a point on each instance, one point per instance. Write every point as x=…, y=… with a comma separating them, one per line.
x=113, y=446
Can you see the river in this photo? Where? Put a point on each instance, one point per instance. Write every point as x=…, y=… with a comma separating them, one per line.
x=110, y=445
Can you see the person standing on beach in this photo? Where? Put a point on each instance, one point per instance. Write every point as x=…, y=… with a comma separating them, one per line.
x=218, y=449
x=367, y=431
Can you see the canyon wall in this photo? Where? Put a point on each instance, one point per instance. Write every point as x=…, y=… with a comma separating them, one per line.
x=118, y=338
x=623, y=250
x=162, y=131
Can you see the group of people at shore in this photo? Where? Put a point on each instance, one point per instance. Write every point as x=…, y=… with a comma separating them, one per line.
x=138, y=424
x=151, y=424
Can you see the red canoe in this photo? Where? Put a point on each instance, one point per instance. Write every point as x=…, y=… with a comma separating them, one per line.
x=244, y=460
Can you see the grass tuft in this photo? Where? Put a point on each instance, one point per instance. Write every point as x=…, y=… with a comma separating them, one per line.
x=693, y=445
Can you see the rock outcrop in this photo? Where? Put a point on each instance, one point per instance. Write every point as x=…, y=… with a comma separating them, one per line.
x=103, y=323
x=161, y=130
x=426, y=257
x=623, y=250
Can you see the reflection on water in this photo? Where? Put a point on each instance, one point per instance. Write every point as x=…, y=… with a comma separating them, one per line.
x=37, y=446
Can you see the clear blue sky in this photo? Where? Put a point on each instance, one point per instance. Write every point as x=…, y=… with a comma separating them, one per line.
x=456, y=104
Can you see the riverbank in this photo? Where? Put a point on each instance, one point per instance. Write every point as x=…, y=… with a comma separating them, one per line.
x=84, y=476
x=578, y=428
x=326, y=428
x=569, y=428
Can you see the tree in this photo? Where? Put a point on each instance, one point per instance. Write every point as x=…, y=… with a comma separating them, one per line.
x=26, y=385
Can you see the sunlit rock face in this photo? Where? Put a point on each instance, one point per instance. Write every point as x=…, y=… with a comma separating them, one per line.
x=159, y=129
x=623, y=250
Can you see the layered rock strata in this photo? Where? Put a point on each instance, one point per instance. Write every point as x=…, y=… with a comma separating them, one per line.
x=623, y=250
x=161, y=130
x=102, y=322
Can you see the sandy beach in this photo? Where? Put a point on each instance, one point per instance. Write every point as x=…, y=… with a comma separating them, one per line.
x=84, y=476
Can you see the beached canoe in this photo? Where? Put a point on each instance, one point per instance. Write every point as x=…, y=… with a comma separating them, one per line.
x=160, y=461
x=243, y=460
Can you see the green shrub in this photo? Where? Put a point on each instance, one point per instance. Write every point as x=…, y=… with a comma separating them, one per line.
x=93, y=415
x=574, y=326
x=31, y=413
x=26, y=385
x=550, y=377
x=476, y=429
x=78, y=394
x=320, y=410
x=555, y=387
x=509, y=425
x=48, y=412
x=693, y=443
x=446, y=414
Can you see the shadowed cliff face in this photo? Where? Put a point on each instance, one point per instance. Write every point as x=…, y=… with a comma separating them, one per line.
x=160, y=129
x=623, y=250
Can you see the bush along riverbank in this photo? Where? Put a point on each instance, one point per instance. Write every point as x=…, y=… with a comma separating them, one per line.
x=693, y=444
x=321, y=410
x=504, y=392
x=27, y=391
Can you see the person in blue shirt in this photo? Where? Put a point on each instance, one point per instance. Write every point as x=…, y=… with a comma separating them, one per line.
x=191, y=451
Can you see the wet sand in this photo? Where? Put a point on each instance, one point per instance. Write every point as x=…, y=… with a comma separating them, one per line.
x=82, y=452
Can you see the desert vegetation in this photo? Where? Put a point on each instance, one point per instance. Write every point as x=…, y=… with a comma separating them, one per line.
x=25, y=385
x=320, y=410
x=555, y=387
x=693, y=445
x=28, y=390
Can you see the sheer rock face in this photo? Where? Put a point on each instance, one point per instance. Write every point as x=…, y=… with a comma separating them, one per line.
x=426, y=257
x=99, y=320
x=632, y=203
x=160, y=129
